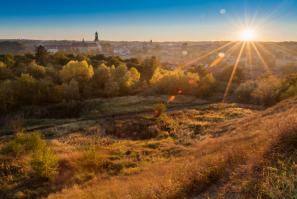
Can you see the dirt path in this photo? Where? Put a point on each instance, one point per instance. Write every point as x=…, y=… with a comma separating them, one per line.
x=125, y=115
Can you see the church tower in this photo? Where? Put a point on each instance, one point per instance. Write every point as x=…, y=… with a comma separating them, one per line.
x=96, y=37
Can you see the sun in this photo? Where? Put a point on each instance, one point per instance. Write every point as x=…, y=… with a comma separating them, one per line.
x=248, y=35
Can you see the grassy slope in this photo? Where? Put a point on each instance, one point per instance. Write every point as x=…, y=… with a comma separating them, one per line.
x=119, y=154
x=222, y=164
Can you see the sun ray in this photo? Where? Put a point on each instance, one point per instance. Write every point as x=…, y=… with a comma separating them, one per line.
x=261, y=58
x=207, y=54
x=233, y=72
x=227, y=54
x=249, y=58
x=261, y=46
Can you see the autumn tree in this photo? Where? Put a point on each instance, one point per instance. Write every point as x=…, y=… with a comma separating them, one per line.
x=81, y=71
x=37, y=71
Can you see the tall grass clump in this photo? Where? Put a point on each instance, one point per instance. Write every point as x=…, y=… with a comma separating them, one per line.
x=44, y=163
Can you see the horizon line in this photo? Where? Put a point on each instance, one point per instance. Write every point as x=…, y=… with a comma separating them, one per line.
x=156, y=41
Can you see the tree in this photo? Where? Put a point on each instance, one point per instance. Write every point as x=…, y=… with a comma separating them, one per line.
x=206, y=83
x=60, y=58
x=244, y=91
x=25, y=90
x=81, y=71
x=7, y=98
x=70, y=90
x=41, y=55
x=101, y=76
x=5, y=73
x=132, y=78
x=36, y=70
x=267, y=91
x=172, y=82
x=9, y=60
x=111, y=88
x=150, y=65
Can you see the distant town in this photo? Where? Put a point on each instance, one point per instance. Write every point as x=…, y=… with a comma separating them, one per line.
x=171, y=54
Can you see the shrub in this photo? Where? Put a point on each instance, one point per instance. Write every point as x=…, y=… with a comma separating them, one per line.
x=44, y=163
x=244, y=91
x=159, y=109
x=267, y=91
x=91, y=158
x=93, y=161
x=24, y=142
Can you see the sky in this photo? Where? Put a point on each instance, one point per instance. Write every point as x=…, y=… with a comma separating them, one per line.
x=144, y=20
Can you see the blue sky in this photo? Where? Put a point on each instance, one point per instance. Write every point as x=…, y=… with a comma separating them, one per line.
x=159, y=20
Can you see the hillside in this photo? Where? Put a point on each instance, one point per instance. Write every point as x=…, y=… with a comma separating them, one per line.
x=246, y=158
x=215, y=150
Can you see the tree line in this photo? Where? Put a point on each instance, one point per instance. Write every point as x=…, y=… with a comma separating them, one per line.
x=44, y=78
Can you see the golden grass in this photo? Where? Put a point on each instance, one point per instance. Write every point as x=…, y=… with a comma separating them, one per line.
x=215, y=157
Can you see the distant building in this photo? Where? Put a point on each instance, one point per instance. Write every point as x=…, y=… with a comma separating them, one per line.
x=96, y=37
x=123, y=52
x=77, y=47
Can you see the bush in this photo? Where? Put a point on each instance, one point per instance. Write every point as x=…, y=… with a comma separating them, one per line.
x=267, y=91
x=244, y=91
x=91, y=159
x=24, y=142
x=44, y=163
x=290, y=92
x=159, y=109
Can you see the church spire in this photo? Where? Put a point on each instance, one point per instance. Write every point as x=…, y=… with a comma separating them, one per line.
x=96, y=37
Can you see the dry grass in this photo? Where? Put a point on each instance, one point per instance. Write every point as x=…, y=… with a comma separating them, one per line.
x=210, y=162
x=208, y=151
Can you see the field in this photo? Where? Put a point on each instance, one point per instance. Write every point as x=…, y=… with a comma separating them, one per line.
x=118, y=149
